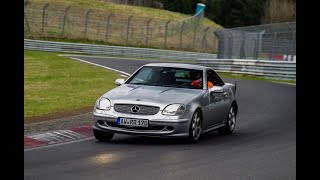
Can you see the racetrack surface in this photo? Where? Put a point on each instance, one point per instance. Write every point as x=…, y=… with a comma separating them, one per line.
x=263, y=145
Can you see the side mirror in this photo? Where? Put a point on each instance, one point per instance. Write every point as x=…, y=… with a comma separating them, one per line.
x=216, y=89
x=119, y=82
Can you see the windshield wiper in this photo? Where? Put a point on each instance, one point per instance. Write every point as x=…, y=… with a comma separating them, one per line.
x=139, y=83
x=177, y=85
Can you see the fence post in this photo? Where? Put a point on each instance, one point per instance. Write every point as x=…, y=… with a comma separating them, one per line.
x=46, y=19
x=64, y=19
x=131, y=31
x=204, y=37
x=230, y=43
x=165, y=35
x=86, y=23
x=214, y=42
x=108, y=24
x=25, y=17
x=293, y=43
x=242, y=54
x=255, y=48
x=272, y=44
x=148, y=23
x=256, y=54
x=43, y=16
x=194, y=35
x=129, y=19
x=181, y=27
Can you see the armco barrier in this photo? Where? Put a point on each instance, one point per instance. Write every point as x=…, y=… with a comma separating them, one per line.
x=269, y=69
x=113, y=50
x=285, y=70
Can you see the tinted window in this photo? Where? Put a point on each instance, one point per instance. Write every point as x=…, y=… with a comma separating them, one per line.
x=169, y=77
x=214, y=78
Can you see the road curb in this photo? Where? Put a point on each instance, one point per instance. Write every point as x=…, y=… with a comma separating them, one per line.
x=57, y=136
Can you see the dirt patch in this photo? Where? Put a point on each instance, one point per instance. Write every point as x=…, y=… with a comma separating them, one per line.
x=58, y=115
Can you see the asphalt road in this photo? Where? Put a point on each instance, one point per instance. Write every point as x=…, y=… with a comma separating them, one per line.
x=263, y=145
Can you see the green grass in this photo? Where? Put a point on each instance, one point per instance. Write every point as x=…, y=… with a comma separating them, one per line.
x=53, y=83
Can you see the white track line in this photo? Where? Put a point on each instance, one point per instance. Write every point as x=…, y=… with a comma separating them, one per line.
x=284, y=83
x=122, y=72
x=109, y=57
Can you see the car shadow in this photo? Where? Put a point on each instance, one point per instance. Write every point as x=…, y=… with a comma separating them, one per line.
x=207, y=138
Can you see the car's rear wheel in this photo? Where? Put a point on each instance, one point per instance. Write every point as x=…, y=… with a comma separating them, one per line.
x=231, y=122
x=195, y=127
x=103, y=136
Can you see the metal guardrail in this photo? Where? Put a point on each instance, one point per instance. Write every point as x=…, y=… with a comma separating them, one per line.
x=269, y=69
x=285, y=70
x=113, y=50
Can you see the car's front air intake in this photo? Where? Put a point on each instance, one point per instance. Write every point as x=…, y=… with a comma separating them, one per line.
x=136, y=109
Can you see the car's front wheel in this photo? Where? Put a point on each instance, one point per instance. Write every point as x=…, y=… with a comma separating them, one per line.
x=103, y=136
x=231, y=122
x=195, y=127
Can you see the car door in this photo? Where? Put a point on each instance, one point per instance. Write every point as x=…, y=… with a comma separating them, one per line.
x=226, y=96
x=218, y=100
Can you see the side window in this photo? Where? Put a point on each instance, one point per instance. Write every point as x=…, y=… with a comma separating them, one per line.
x=214, y=78
x=221, y=83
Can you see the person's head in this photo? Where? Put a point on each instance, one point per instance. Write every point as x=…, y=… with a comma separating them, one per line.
x=194, y=75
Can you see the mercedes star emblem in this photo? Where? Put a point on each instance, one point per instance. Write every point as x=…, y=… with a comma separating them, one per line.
x=135, y=109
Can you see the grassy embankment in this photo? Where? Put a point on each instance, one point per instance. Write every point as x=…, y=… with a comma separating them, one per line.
x=54, y=84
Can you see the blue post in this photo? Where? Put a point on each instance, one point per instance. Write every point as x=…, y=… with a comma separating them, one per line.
x=200, y=10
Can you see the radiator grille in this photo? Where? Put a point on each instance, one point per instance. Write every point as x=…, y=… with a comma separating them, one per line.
x=144, y=110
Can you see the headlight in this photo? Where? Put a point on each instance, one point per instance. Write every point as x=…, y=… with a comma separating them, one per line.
x=174, y=110
x=104, y=104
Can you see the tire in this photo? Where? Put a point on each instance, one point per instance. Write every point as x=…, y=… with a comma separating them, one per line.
x=195, y=127
x=231, y=122
x=103, y=136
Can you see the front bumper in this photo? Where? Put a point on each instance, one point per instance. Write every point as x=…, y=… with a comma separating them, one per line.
x=159, y=125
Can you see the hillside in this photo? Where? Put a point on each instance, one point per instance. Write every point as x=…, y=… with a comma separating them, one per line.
x=106, y=23
x=123, y=9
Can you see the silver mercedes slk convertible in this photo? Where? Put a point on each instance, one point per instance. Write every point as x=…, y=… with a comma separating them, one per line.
x=167, y=100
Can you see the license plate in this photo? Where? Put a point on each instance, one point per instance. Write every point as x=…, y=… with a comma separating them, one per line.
x=132, y=122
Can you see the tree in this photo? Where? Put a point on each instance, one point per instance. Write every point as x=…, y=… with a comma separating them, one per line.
x=235, y=13
x=228, y=13
x=182, y=6
x=276, y=11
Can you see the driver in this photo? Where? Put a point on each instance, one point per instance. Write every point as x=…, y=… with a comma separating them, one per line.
x=197, y=80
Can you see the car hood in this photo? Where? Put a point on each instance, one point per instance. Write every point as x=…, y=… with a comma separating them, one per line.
x=149, y=95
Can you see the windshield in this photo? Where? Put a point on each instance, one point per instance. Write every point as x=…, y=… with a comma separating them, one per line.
x=168, y=77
